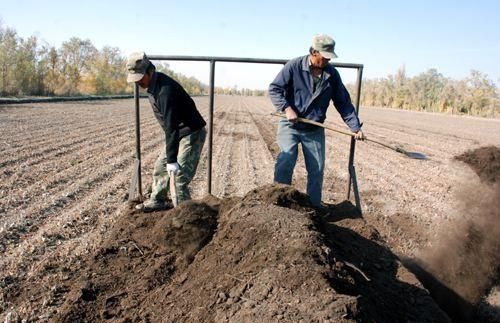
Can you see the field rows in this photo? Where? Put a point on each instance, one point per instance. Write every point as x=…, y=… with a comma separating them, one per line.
x=65, y=169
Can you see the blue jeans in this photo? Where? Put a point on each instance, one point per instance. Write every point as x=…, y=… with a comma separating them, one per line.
x=312, y=139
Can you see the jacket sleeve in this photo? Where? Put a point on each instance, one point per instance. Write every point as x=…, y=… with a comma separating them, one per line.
x=342, y=102
x=166, y=103
x=279, y=87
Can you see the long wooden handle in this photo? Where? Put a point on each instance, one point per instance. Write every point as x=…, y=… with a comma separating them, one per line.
x=316, y=124
x=173, y=189
x=339, y=131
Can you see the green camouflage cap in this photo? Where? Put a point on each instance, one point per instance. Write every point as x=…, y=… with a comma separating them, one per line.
x=137, y=65
x=325, y=45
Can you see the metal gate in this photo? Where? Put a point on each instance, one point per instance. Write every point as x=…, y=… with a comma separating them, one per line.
x=135, y=191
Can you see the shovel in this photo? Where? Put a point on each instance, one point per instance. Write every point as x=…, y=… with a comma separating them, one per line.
x=413, y=155
x=173, y=188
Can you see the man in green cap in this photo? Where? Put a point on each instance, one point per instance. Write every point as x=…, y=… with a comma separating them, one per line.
x=184, y=129
x=304, y=88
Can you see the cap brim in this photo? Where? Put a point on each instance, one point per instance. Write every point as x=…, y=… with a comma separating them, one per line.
x=328, y=55
x=134, y=77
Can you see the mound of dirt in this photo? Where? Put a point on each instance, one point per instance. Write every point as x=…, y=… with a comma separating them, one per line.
x=266, y=257
x=485, y=161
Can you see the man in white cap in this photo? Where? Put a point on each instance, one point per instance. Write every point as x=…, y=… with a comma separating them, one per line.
x=183, y=125
x=304, y=88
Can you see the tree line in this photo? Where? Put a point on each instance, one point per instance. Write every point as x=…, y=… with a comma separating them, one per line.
x=32, y=67
x=431, y=91
x=235, y=91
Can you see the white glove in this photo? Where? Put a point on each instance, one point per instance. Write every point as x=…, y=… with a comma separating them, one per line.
x=173, y=167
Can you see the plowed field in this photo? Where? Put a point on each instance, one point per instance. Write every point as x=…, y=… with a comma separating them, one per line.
x=65, y=170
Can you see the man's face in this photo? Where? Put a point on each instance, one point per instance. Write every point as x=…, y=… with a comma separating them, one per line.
x=318, y=61
x=144, y=82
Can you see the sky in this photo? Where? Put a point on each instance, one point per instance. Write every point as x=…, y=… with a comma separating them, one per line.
x=453, y=37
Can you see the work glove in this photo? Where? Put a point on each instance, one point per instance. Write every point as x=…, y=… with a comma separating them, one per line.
x=173, y=168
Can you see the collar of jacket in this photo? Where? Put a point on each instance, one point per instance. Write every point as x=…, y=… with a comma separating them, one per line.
x=152, y=83
x=326, y=70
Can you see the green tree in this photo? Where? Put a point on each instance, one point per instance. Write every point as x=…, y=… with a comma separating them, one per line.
x=26, y=72
x=75, y=55
x=8, y=49
x=400, y=89
x=192, y=85
x=106, y=73
x=431, y=91
x=50, y=69
x=481, y=94
x=425, y=90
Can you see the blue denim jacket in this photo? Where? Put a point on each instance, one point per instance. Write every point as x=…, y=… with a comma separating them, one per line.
x=293, y=87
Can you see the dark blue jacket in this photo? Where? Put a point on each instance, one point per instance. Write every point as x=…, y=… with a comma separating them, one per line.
x=293, y=87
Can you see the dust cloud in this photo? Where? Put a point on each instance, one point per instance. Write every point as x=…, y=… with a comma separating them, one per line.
x=466, y=256
x=462, y=265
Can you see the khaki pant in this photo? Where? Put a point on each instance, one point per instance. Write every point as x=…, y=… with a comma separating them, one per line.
x=190, y=148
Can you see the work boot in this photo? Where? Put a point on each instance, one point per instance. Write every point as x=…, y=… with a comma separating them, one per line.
x=150, y=206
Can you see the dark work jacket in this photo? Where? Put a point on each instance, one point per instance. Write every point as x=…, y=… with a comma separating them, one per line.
x=293, y=87
x=175, y=111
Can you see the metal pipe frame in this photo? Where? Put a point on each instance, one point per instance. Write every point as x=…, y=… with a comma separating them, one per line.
x=237, y=60
x=352, y=171
x=135, y=189
x=213, y=59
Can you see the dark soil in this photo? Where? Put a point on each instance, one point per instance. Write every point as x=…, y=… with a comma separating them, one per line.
x=266, y=257
x=485, y=161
